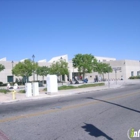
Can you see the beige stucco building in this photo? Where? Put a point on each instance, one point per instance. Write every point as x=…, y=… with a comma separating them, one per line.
x=121, y=69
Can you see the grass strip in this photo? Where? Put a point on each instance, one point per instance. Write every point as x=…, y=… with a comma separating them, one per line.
x=5, y=91
x=76, y=87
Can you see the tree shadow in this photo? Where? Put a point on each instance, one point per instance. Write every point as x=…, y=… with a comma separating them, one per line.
x=94, y=131
x=114, y=104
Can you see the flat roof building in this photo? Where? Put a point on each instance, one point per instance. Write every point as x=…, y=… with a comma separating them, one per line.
x=121, y=68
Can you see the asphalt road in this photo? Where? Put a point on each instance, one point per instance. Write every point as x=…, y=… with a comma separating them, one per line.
x=101, y=115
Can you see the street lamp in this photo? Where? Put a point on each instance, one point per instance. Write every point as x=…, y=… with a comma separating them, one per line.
x=73, y=70
x=108, y=76
x=12, y=64
x=12, y=69
x=116, y=69
x=33, y=56
x=108, y=79
x=116, y=75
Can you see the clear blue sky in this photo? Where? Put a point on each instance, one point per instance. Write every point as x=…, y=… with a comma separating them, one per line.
x=48, y=28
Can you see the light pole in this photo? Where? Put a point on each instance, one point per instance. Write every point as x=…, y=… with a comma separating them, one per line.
x=116, y=69
x=73, y=68
x=108, y=76
x=33, y=56
x=12, y=69
x=12, y=64
x=116, y=75
x=108, y=79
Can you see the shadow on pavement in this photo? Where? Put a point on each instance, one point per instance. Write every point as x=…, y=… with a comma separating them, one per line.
x=114, y=104
x=94, y=131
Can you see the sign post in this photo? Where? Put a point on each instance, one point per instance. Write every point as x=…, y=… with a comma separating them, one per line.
x=116, y=69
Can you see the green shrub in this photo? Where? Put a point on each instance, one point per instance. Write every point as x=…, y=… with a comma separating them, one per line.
x=5, y=84
x=1, y=83
x=21, y=91
x=45, y=89
x=134, y=77
x=11, y=83
x=4, y=91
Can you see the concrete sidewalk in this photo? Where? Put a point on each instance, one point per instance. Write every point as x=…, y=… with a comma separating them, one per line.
x=7, y=98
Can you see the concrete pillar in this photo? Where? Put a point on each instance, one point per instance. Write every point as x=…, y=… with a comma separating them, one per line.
x=28, y=90
x=70, y=75
x=35, y=88
x=61, y=78
x=124, y=72
x=66, y=78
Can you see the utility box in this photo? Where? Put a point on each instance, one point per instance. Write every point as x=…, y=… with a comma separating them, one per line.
x=28, y=90
x=35, y=87
x=52, y=85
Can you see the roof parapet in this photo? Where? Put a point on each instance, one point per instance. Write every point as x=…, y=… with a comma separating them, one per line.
x=65, y=57
x=23, y=60
x=44, y=60
x=3, y=59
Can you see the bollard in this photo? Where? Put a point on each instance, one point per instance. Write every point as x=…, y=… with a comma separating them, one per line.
x=14, y=94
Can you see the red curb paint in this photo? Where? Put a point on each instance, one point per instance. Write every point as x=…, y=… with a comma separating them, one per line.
x=3, y=136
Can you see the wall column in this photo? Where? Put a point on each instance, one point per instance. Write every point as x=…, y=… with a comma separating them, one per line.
x=70, y=75
x=65, y=78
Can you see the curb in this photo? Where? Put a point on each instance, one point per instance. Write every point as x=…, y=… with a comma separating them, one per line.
x=58, y=95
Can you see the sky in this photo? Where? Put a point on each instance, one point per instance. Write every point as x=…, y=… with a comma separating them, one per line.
x=49, y=28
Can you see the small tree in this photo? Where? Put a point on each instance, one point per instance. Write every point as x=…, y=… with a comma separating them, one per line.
x=24, y=69
x=102, y=68
x=84, y=62
x=42, y=71
x=59, y=68
x=2, y=67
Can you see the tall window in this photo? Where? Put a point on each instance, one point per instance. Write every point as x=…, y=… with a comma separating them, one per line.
x=138, y=73
x=132, y=73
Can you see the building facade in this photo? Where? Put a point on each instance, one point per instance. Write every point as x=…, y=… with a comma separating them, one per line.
x=122, y=69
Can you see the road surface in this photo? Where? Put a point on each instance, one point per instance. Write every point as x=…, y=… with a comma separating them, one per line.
x=101, y=115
